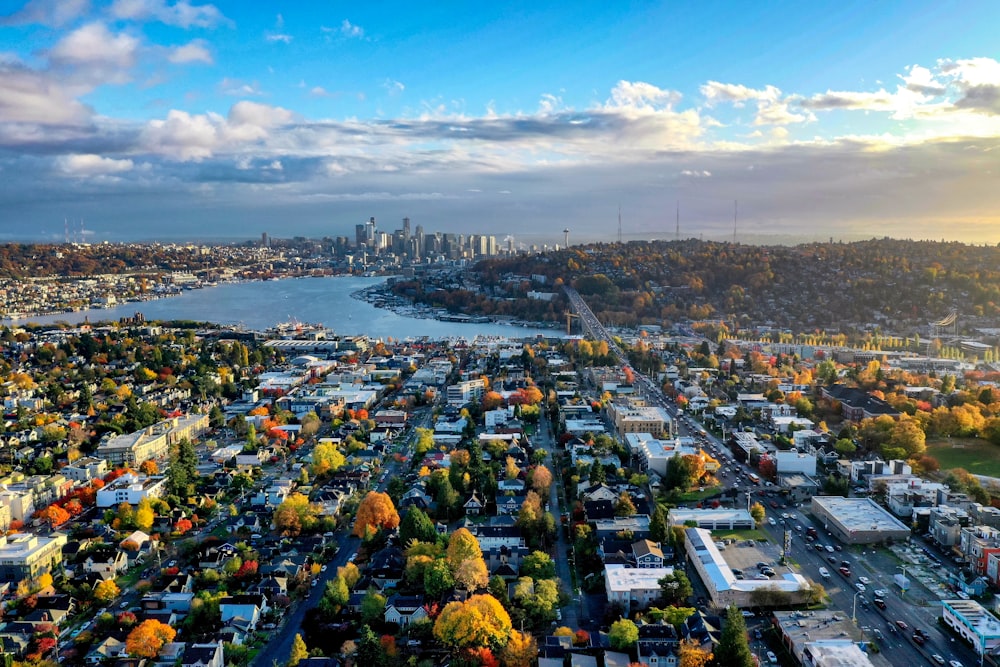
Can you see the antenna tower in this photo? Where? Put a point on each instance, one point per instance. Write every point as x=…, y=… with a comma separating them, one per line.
x=66, y=230
x=678, y=232
x=735, y=214
x=619, y=224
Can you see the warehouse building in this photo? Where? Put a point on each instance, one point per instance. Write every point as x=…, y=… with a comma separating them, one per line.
x=857, y=520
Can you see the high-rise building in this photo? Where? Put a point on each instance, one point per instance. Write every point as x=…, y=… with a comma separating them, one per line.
x=264, y=242
x=360, y=234
x=370, y=231
x=406, y=229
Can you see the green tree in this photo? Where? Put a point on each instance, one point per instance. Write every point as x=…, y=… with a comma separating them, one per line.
x=733, y=649
x=538, y=565
x=623, y=635
x=372, y=607
x=845, y=447
x=438, y=578
x=758, y=513
x=424, y=441
x=462, y=546
x=416, y=525
x=659, y=527
x=624, y=506
x=676, y=587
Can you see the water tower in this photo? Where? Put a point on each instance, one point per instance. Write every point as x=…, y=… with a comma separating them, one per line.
x=566, y=237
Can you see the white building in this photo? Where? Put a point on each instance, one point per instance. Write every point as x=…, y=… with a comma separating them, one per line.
x=86, y=469
x=654, y=454
x=973, y=623
x=131, y=488
x=634, y=585
x=465, y=392
x=792, y=461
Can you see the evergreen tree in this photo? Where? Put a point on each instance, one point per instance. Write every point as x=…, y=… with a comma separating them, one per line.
x=734, y=648
x=299, y=651
x=416, y=525
x=659, y=528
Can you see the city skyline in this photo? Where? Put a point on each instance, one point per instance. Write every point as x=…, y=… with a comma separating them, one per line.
x=160, y=120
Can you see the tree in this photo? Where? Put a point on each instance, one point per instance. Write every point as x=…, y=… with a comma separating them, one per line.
x=521, y=650
x=424, y=442
x=294, y=515
x=55, y=515
x=149, y=467
x=376, y=511
x=299, y=651
x=372, y=607
x=350, y=573
x=676, y=587
x=463, y=546
x=659, y=527
x=676, y=616
x=416, y=525
x=691, y=654
x=623, y=634
x=438, y=578
x=541, y=479
x=106, y=591
x=472, y=574
x=144, y=515
x=146, y=640
x=326, y=458
x=733, y=649
x=479, y=621
x=845, y=447
x=538, y=565
x=334, y=597
x=758, y=513
x=624, y=505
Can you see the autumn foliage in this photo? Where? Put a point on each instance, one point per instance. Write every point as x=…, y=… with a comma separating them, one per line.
x=480, y=621
x=146, y=640
x=375, y=511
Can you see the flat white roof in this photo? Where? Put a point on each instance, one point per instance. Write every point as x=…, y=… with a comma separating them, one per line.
x=623, y=579
x=859, y=513
x=976, y=616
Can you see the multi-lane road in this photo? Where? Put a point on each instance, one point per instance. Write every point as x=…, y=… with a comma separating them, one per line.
x=895, y=645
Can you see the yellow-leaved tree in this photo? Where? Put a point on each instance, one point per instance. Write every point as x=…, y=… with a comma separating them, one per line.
x=146, y=640
x=480, y=621
x=375, y=511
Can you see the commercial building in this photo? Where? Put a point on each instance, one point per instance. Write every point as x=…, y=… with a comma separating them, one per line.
x=724, y=588
x=717, y=519
x=465, y=392
x=857, y=520
x=86, y=469
x=654, y=454
x=27, y=556
x=647, y=419
x=634, y=585
x=153, y=443
x=973, y=623
x=824, y=638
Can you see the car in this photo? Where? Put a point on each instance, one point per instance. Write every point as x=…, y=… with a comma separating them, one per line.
x=919, y=639
x=771, y=657
x=172, y=563
x=798, y=528
x=962, y=594
x=880, y=592
x=902, y=625
x=844, y=571
x=861, y=587
x=830, y=549
x=880, y=603
x=761, y=565
x=819, y=546
x=123, y=605
x=865, y=580
x=939, y=659
x=323, y=569
x=838, y=547
x=746, y=614
x=954, y=663
x=771, y=521
x=757, y=634
x=786, y=515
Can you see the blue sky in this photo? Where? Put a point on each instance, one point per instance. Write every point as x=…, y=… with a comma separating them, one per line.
x=178, y=119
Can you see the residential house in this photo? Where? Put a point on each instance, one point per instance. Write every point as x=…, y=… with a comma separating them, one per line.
x=404, y=609
x=248, y=608
x=203, y=655
x=647, y=554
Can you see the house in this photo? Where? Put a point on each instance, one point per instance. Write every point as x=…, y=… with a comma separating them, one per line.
x=498, y=536
x=107, y=650
x=273, y=585
x=599, y=492
x=108, y=565
x=404, y=609
x=657, y=645
x=647, y=554
x=473, y=506
x=386, y=567
x=248, y=607
x=203, y=655
x=508, y=505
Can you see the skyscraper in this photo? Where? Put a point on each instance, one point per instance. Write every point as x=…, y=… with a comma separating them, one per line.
x=406, y=229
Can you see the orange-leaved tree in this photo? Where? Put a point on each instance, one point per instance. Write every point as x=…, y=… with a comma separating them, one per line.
x=146, y=640
x=375, y=511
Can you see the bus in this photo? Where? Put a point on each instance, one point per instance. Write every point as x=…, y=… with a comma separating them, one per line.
x=754, y=478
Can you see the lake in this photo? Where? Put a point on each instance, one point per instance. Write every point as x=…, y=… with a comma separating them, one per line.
x=316, y=300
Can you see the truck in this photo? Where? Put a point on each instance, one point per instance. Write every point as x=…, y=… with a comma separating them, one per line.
x=901, y=581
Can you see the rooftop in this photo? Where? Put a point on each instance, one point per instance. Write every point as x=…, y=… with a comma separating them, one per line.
x=976, y=616
x=621, y=578
x=859, y=513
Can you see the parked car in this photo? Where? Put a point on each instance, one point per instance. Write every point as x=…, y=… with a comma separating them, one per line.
x=772, y=658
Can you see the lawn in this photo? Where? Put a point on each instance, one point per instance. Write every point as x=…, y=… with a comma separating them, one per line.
x=974, y=454
x=740, y=535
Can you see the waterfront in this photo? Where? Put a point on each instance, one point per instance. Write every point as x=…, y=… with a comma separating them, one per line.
x=262, y=304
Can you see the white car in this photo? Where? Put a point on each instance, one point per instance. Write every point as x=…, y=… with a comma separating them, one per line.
x=323, y=569
x=771, y=521
x=865, y=580
x=937, y=658
x=771, y=657
x=954, y=663
x=880, y=592
x=830, y=549
x=861, y=588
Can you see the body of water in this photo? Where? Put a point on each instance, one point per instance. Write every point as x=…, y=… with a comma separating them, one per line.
x=260, y=305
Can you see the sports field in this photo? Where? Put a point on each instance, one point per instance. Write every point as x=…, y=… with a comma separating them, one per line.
x=976, y=455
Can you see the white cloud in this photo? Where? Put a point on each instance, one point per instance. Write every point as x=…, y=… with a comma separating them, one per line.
x=278, y=37
x=55, y=13
x=348, y=29
x=180, y=13
x=259, y=115
x=393, y=87
x=319, y=91
x=772, y=106
x=238, y=88
x=694, y=173
x=549, y=104
x=641, y=95
x=92, y=165
x=832, y=99
x=93, y=45
x=193, y=52
x=30, y=96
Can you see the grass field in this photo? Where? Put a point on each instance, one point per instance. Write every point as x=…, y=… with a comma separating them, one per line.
x=974, y=454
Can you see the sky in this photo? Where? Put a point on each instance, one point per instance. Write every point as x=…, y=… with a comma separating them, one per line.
x=776, y=122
